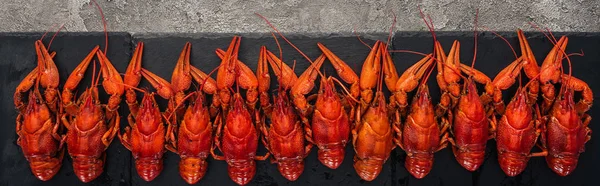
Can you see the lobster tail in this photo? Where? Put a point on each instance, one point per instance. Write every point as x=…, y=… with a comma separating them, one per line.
x=192, y=169
x=148, y=169
x=87, y=168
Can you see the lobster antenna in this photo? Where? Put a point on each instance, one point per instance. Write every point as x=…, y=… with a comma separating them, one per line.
x=45, y=33
x=280, y=59
x=501, y=37
x=430, y=27
x=344, y=88
x=53, y=36
x=391, y=29
x=475, y=42
x=289, y=42
x=103, y=24
x=358, y=36
x=552, y=40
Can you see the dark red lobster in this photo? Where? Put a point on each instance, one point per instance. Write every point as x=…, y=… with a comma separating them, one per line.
x=145, y=136
x=191, y=136
x=38, y=124
x=236, y=133
x=285, y=136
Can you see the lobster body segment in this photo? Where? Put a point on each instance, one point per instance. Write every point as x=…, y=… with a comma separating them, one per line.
x=37, y=123
x=470, y=129
x=330, y=126
x=285, y=136
x=145, y=138
x=566, y=134
x=516, y=134
x=38, y=137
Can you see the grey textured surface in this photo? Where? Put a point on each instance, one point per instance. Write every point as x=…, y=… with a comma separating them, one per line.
x=299, y=16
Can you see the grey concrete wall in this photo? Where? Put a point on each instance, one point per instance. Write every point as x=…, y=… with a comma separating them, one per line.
x=303, y=16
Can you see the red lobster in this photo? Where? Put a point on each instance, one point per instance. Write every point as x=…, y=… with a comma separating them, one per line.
x=372, y=135
x=90, y=127
x=420, y=135
x=37, y=124
x=145, y=136
x=519, y=126
x=236, y=134
x=191, y=137
x=285, y=136
x=566, y=124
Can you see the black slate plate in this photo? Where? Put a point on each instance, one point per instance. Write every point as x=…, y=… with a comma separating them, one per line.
x=17, y=58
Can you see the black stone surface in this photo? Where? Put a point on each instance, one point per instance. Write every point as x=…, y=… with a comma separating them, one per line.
x=17, y=58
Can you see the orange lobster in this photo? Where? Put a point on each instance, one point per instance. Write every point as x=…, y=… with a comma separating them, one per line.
x=245, y=79
x=419, y=135
x=285, y=136
x=145, y=136
x=332, y=113
x=191, y=137
x=565, y=126
x=372, y=135
x=90, y=127
x=236, y=133
x=37, y=125
x=519, y=126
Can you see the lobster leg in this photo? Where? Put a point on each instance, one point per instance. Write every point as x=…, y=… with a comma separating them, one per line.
x=114, y=126
x=447, y=98
x=283, y=72
x=67, y=95
x=480, y=77
x=112, y=83
x=504, y=80
x=23, y=87
x=133, y=76
x=217, y=142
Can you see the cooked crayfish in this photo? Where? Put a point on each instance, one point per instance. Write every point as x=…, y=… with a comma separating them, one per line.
x=91, y=125
x=236, y=135
x=191, y=137
x=285, y=136
x=372, y=135
x=146, y=133
x=519, y=126
x=37, y=125
x=565, y=125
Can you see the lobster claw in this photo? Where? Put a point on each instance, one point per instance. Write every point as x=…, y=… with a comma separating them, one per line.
x=550, y=69
x=162, y=86
x=264, y=80
x=285, y=74
x=343, y=70
x=112, y=82
x=132, y=78
x=181, y=78
x=305, y=83
x=390, y=75
x=74, y=79
x=409, y=80
x=244, y=77
x=370, y=74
